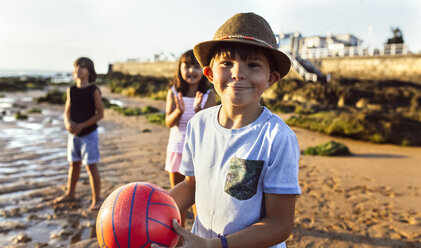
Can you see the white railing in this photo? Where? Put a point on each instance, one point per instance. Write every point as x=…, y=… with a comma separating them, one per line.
x=388, y=49
x=308, y=76
x=394, y=49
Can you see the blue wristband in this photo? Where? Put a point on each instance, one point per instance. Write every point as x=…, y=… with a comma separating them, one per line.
x=224, y=241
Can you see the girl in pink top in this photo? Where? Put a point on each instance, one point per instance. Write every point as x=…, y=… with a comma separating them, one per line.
x=189, y=93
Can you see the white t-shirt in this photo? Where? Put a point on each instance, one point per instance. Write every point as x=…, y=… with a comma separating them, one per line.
x=234, y=167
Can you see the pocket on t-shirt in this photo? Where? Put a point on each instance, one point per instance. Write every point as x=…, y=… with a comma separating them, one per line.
x=243, y=178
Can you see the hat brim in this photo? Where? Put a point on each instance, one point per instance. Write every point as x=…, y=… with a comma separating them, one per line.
x=202, y=53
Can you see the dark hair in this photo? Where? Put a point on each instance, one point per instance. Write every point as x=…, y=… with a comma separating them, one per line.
x=230, y=49
x=178, y=81
x=88, y=64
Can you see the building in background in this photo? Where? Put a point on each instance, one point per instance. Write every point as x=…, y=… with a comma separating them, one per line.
x=295, y=44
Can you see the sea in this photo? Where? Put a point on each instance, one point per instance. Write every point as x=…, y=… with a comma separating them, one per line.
x=56, y=76
x=32, y=163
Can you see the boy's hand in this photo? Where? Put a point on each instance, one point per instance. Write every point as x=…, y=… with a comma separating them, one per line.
x=197, y=101
x=76, y=128
x=190, y=240
x=71, y=127
x=179, y=103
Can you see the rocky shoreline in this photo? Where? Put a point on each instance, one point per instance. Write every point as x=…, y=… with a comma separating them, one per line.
x=374, y=111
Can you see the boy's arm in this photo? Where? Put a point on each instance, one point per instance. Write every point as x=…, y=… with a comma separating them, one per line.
x=273, y=229
x=66, y=114
x=184, y=193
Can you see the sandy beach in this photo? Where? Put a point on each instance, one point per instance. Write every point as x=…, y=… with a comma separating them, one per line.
x=369, y=199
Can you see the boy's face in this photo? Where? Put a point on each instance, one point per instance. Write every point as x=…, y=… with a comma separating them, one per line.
x=241, y=82
x=81, y=72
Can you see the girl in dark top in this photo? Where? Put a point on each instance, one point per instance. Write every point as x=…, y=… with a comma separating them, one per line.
x=82, y=111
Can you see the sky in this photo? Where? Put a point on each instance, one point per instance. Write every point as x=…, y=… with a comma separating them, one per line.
x=52, y=34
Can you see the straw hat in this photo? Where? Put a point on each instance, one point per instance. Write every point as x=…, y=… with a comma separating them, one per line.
x=245, y=28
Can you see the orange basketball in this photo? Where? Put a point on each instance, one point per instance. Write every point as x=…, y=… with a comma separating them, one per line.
x=137, y=215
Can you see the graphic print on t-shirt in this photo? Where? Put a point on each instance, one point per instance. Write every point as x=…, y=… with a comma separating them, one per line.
x=243, y=177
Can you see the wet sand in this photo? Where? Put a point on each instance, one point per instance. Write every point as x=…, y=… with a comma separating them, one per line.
x=370, y=199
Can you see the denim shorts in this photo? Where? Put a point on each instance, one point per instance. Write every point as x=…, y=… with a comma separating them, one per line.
x=83, y=148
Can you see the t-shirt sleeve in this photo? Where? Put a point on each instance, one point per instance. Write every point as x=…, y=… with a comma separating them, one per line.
x=281, y=176
x=186, y=166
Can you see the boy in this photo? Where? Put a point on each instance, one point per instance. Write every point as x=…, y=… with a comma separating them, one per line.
x=82, y=111
x=240, y=160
